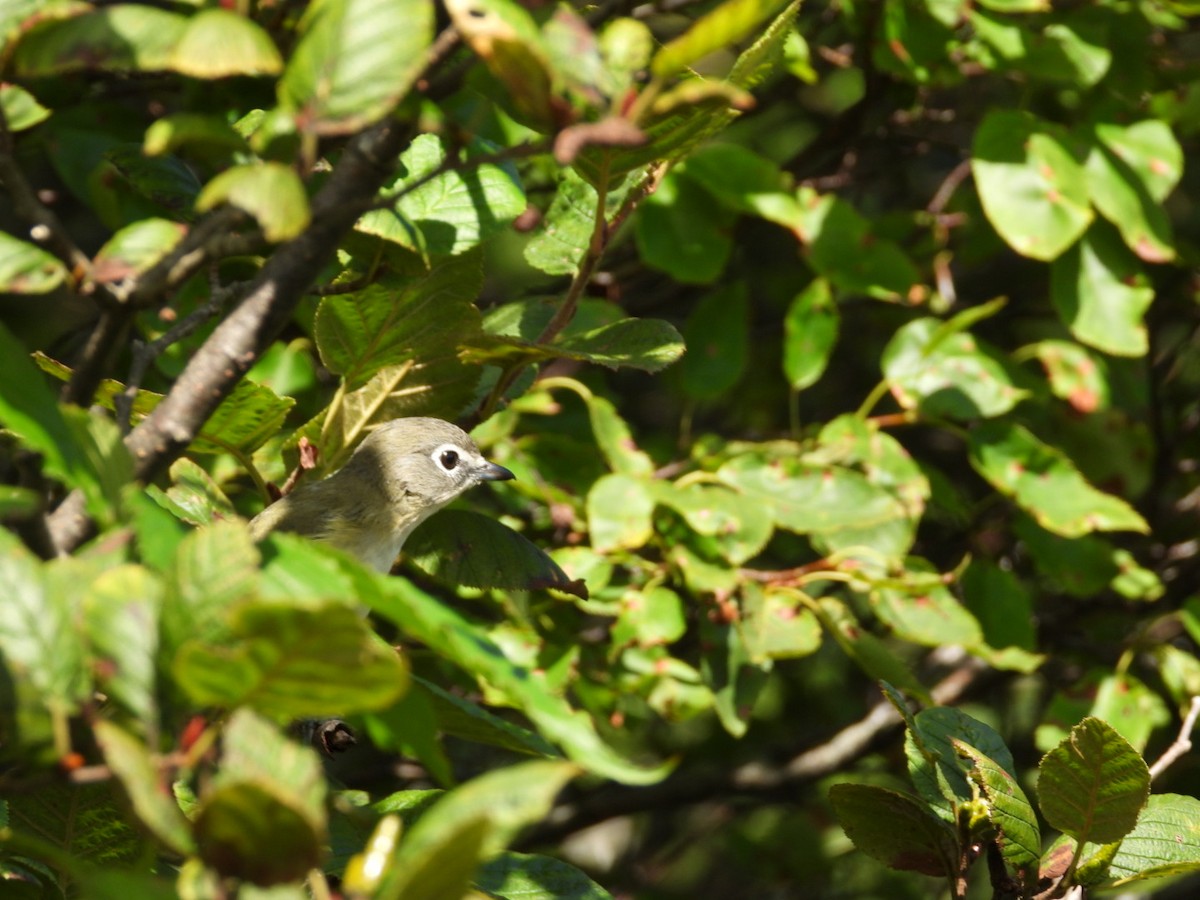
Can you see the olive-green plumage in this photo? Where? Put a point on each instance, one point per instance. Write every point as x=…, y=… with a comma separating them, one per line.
x=401, y=474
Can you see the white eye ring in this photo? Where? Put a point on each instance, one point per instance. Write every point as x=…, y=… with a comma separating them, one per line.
x=447, y=458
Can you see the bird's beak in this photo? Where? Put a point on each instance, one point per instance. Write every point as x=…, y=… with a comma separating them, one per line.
x=492, y=472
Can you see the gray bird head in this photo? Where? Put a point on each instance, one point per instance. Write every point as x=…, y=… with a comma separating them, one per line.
x=425, y=458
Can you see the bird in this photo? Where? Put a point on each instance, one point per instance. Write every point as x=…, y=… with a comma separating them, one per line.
x=401, y=474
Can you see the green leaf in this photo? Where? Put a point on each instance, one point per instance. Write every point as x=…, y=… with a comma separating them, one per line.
x=612, y=434
x=1034, y=192
x=40, y=643
x=727, y=24
x=649, y=618
x=218, y=43
x=1009, y=811
x=895, y=828
x=766, y=54
x=565, y=233
x=1101, y=294
x=504, y=35
x=121, y=611
x=440, y=854
x=215, y=568
x=776, y=624
x=30, y=411
x=262, y=819
x=446, y=213
x=739, y=525
x=270, y=192
x=1076, y=374
x=426, y=619
x=458, y=547
x=1130, y=172
x=938, y=774
x=398, y=320
x=18, y=502
x=293, y=662
x=26, y=269
x=1003, y=605
x=132, y=179
x=534, y=877
x=354, y=62
x=21, y=109
x=843, y=248
x=1149, y=150
x=646, y=344
x=947, y=375
x=741, y=180
x=184, y=129
x=146, y=784
x=867, y=651
x=810, y=330
x=1132, y=709
x=1093, y=785
x=86, y=821
x=410, y=727
x=1045, y=483
x=438, y=385
x=472, y=722
x=1165, y=841
x=717, y=335
x=619, y=509
x=925, y=613
x=136, y=248
x=682, y=232
x=125, y=37
x=837, y=505
x=1075, y=50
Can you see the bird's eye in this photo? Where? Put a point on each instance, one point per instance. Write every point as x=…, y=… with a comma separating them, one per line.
x=448, y=459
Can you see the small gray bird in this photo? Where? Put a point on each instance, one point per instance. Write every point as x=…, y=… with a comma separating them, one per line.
x=401, y=474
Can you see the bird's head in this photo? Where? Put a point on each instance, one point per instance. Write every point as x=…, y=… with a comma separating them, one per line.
x=426, y=458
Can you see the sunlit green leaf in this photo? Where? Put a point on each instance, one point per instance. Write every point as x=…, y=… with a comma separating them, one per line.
x=1034, y=191
x=1101, y=294
x=354, y=62
x=444, y=213
x=1044, y=482
x=26, y=269
x=271, y=192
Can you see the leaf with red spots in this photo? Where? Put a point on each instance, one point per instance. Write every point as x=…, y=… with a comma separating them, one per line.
x=1033, y=190
x=1044, y=482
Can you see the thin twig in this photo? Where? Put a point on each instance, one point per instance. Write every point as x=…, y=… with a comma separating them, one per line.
x=1182, y=743
x=949, y=185
x=145, y=352
x=212, y=238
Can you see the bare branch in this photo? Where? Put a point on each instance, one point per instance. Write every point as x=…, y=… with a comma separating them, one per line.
x=1182, y=743
x=145, y=352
